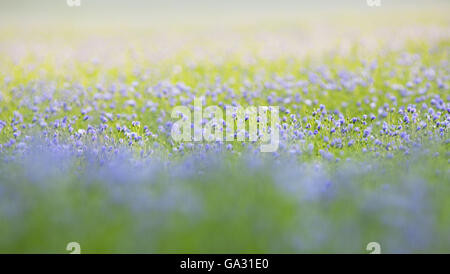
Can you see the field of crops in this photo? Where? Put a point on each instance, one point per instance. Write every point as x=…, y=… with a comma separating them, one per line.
x=87, y=152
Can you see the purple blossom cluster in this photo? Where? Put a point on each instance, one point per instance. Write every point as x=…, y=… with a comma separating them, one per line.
x=324, y=112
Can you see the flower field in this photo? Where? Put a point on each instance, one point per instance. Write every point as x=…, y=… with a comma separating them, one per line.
x=87, y=152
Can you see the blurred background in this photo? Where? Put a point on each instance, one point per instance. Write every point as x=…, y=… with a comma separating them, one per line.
x=135, y=34
x=210, y=12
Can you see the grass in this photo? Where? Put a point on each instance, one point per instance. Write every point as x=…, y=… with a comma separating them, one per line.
x=310, y=196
